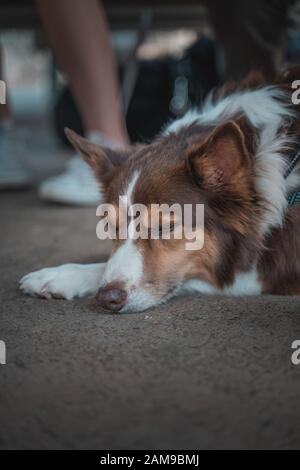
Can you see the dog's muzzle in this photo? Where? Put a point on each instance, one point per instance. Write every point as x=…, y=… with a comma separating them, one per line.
x=112, y=297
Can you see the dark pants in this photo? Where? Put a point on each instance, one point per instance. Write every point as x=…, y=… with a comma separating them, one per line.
x=251, y=34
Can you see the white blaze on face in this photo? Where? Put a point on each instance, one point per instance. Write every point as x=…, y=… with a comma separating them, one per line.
x=126, y=264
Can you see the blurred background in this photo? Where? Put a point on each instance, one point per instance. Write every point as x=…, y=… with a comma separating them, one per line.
x=167, y=58
x=166, y=61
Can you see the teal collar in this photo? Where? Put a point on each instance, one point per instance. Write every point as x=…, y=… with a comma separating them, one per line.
x=294, y=199
x=292, y=165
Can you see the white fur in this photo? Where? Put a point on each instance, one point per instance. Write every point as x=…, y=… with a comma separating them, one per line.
x=139, y=300
x=262, y=107
x=131, y=186
x=126, y=264
x=244, y=284
x=197, y=286
x=266, y=112
x=67, y=281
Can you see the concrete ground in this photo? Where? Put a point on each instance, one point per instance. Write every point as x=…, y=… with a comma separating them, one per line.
x=198, y=373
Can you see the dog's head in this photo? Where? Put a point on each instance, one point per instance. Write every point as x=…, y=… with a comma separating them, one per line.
x=197, y=165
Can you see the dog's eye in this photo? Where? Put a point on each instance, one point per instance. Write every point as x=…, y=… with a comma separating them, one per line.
x=166, y=227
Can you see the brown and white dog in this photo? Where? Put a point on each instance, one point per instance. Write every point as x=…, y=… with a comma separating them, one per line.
x=231, y=156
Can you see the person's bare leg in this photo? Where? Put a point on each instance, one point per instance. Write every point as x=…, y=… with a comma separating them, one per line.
x=12, y=145
x=79, y=36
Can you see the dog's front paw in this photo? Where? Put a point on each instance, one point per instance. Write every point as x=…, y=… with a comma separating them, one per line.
x=64, y=282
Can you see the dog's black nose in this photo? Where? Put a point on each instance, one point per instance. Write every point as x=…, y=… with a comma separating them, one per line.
x=112, y=297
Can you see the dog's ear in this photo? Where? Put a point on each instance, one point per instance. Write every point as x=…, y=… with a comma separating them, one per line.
x=222, y=159
x=103, y=161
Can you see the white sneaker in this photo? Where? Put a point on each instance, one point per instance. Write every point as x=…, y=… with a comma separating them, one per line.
x=13, y=150
x=77, y=185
